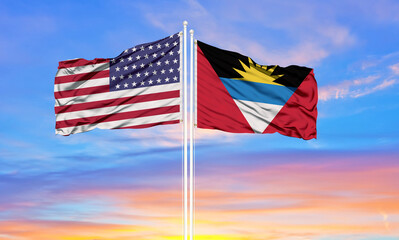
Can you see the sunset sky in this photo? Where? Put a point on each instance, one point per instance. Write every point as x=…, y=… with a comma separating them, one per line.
x=127, y=184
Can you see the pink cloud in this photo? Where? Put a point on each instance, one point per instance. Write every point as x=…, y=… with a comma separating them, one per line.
x=313, y=38
x=395, y=68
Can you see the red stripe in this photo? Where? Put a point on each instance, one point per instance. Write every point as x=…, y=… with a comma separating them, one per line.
x=116, y=102
x=117, y=116
x=151, y=124
x=81, y=76
x=80, y=62
x=81, y=92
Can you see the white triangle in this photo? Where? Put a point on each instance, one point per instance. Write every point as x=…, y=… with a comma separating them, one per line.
x=258, y=115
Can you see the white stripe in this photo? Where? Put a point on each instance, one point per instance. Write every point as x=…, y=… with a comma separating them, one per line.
x=81, y=84
x=258, y=115
x=118, y=109
x=82, y=69
x=120, y=123
x=116, y=94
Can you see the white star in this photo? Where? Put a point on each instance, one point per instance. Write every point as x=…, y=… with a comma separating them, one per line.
x=171, y=70
x=171, y=36
x=138, y=57
x=130, y=58
x=134, y=49
x=130, y=76
x=142, y=65
x=154, y=55
x=171, y=53
x=142, y=48
x=158, y=45
x=166, y=44
x=134, y=84
x=167, y=62
x=142, y=83
x=146, y=74
x=126, y=85
x=159, y=63
x=150, y=82
x=158, y=80
x=163, y=71
x=167, y=79
x=162, y=53
x=175, y=43
x=146, y=56
x=150, y=47
x=178, y=52
x=113, y=60
x=126, y=51
x=134, y=66
x=150, y=64
x=154, y=72
x=138, y=75
x=121, y=77
x=113, y=78
x=121, y=60
x=117, y=69
x=178, y=69
x=175, y=60
x=175, y=78
x=117, y=86
x=125, y=68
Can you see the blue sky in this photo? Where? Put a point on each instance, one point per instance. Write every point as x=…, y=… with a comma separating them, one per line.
x=121, y=184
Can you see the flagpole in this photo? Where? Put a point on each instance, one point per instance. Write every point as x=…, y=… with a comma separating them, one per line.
x=185, y=130
x=191, y=134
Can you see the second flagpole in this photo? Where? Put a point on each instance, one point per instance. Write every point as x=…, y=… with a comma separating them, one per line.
x=191, y=135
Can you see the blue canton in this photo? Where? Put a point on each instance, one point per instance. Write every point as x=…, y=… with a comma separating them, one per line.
x=150, y=64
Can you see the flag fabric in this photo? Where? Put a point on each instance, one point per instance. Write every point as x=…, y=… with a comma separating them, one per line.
x=235, y=94
x=139, y=88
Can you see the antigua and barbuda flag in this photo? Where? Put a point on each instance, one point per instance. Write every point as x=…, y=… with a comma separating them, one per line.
x=235, y=94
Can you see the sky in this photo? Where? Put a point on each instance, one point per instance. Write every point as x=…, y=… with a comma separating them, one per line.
x=127, y=184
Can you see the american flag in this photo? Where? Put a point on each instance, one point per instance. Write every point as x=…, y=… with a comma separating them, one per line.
x=139, y=88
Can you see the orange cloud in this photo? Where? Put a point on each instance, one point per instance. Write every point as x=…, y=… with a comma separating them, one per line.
x=311, y=199
x=68, y=230
x=295, y=200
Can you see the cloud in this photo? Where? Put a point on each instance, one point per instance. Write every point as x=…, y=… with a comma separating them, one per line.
x=385, y=84
x=395, y=68
x=381, y=11
x=272, y=191
x=171, y=136
x=252, y=198
x=382, y=74
x=354, y=88
x=49, y=230
x=300, y=36
x=386, y=222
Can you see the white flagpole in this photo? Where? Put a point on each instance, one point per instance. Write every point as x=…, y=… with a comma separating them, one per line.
x=185, y=129
x=191, y=135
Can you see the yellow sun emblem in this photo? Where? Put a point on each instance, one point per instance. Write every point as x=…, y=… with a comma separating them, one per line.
x=257, y=73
